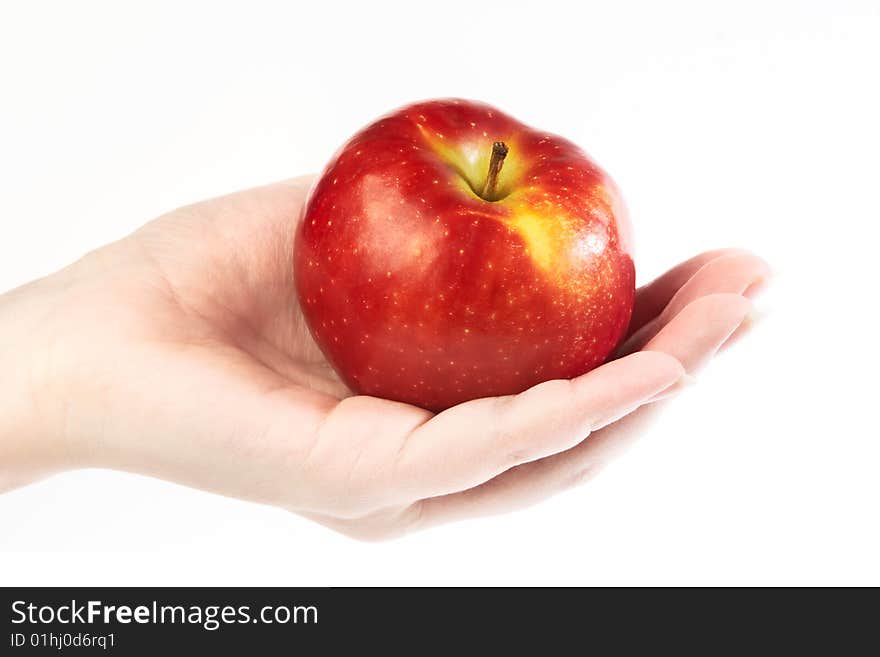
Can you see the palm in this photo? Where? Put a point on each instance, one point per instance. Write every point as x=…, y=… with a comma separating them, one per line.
x=213, y=287
x=228, y=264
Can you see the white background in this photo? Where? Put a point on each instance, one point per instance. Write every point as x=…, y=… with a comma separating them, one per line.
x=744, y=124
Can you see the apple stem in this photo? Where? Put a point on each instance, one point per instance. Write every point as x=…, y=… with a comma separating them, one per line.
x=499, y=152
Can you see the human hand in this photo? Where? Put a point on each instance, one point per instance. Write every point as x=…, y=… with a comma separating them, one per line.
x=180, y=352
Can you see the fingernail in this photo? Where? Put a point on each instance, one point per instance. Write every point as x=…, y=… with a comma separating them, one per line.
x=685, y=381
x=669, y=391
x=755, y=316
x=760, y=286
x=755, y=289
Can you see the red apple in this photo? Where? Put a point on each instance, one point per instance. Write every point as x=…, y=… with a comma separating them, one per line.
x=449, y=252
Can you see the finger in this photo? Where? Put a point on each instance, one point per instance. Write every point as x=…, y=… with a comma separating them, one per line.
x=693, y=337
x=734, y=273
x=532, y=483
x=701, y=328
x=475, y=441
x=754, y=318
x=652, y=298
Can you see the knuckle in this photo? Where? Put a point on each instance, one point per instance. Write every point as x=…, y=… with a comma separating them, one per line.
x=580, y=476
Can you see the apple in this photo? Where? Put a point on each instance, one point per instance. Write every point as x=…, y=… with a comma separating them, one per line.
x=449, y=252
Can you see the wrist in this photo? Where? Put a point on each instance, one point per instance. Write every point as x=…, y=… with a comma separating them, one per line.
x=34, y=433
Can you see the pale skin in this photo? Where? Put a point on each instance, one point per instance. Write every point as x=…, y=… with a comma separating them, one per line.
x=179, y=352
